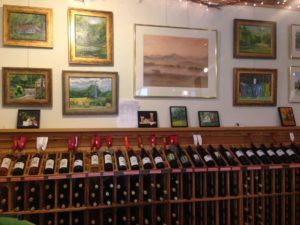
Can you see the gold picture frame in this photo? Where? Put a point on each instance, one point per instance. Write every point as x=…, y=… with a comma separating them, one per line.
x=295, y=41
x=294, y=84
x=88, y=93
x=86, y=47
x=27, y=87
x=27, y=26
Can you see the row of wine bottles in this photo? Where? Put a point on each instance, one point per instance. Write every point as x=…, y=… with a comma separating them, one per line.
x=174, y=157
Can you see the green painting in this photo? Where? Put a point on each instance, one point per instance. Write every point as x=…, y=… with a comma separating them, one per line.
x=178, y=116
x=297, y=40
x=27, y=26
x=27, y=87
x=255, y=39
x=90, y=37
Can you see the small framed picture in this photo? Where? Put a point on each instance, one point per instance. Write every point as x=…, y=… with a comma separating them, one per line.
x=209, y=118
x=286, y=116
x=147, y=119
x=294, y=84
x=178, y=116
x=295, y=41
x=28, y=118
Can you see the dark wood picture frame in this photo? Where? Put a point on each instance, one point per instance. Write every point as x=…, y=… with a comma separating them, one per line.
x=178, y=116
x=28, y=118
x=209, y=118
x=287, y=117
x=147, y=119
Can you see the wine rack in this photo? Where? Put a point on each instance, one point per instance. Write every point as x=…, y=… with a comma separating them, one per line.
x=199, y=187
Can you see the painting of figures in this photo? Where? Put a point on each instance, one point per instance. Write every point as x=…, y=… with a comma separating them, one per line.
x=175, y=61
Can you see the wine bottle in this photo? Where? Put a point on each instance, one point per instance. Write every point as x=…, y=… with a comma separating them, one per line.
x=3, y=199
x=241, y=156
x=134, y=216
x=78, y=162
x=108, y=190
x=157, y=158
x=63, y=193
x=147, y=215
x=183, y=158
x=63, y=218
x=251, y=156
x=107, y=217
x=171, y=158
x=49, y=194
x=145, y=159
x=194, y=156
x=216, y=156
x=50, y=164
x=5, y=164
x=206, y=157
x=34, y=164
x=272, y=155
x=121, y=190
x=33, y=196
x=18, y=196
x=134, y=188
x=78, y=193
x=94, y=161
x=78, y=218
x=134, y=164
x=282, y=155
x=261, y=154
x=121, y=216
x=64, y=163
x=49, y=219
x=121, y=161
x=227, y=156
x=108, y=166
x=293, y=156
x=94, y=192
x=18, y=169
x=174, y=184
x=147, y=185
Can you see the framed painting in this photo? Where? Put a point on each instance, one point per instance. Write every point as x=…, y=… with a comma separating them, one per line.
x=175, y=62
x=295, y=41
x=178, y=115
x=254, y=39
x=147, y=119
x=294, y=84
x=27, y=26
x=209, y=119
x=254, y=87
x=90, y=37
x=26, y=87
x=90, y=93
x=286, y=115
x=28, y=118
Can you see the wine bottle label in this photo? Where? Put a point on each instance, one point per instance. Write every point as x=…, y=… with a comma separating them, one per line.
x=170, y=156
x=146, y=160
x=122, y=161
x=78, y=162
x=207, y=158
x=35, y=162
x=260, y=153
x=94, y=160
x=19, y=165
x=290, y=152
x=63, y=163
x=250, y=153
x=133, y=161
x=49, y=164
x=279, y=152
x=217, y=154
x=270, y=152
x=228, y=154
x=239, y=153
x=196, y=157
x=107, y=159
x=184, y=159
x=6, y=163
x=158, y=159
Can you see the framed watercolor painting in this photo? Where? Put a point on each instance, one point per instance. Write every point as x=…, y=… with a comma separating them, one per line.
x=27, y=26
x=295, y=41
x=90, y=93
x=286, y=115
x=90, y=37
x=28, y=118
x=147, y=119
x=209, y=119
x=294, y=84
x=26, y=87
x=178, y=115
x=175, y=62
x=254, y=87
x=254, y=39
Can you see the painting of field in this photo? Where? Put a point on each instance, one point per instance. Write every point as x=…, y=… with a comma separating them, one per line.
x=27, y=26
x=90, y=93
x=171, y=61
x=90, y=37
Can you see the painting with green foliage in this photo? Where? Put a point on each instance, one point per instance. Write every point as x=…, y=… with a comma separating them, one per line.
x=90, y=36
x=27, y=26
x=178, y=116
x=90, y=93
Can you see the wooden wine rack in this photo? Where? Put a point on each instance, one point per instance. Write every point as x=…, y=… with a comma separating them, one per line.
x=229, y=195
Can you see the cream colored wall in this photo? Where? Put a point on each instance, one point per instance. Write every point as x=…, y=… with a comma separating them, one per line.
x=157, y=12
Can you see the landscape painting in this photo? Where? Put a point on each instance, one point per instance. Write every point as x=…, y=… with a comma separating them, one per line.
x=90, y=37
x=254, y=39
x=27, y=87
x=175, y=61
x=295, y=41
x=178, y=116
x=294, y=84
x=27, y=26
x=89, y=92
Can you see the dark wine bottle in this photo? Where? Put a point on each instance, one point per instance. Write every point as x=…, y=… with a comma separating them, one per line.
x=261, y=154
x=134, y=163
x=107, y=217
x=63, y=218
x=78, y=193
x=63, y=193
x=49, y=219
x=171, y=158
x=272, y=155
x=216, y=156
x=5, y=164
x=33, y=196
x=292, y=155
x=134, y=188
x=18, y=169
x=184, y=160
x=3, y=199
x=194, y=157
x=50, y=164
x=94, y=161
x=241, y=156
x=64, y=163
x=121, y=161
x=107, y=157
x=228, y=156
x=157, y=158
x=18, y=196
x=108, y=190
x=147, y=215
x=122, y=192
x=145, y=159
x=147, y=185
x=174, y=184
x=49, y=194
x=78, y=218
x=34, y=164
x=251, y=156
x=206, y=157
x=78, y=162
x=282, y=155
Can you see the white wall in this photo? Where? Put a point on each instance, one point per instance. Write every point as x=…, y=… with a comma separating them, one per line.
x=157, y=12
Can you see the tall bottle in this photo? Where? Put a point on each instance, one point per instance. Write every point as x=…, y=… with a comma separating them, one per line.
x=78, y=162
x=292, y=154
x=145, y=159
x=64, y=163
x=5, y=164
x=34, y=164
x=228, y=156
x=216, y=156
x=50, y=164
x=261, y=154
x=194, y=157
x=171, y=158
x=157, y=158
x=107, y=158
x=18, y=169
x=281, y=154
x=241, y=156
x=251, y=156
x=272, y=155
x=121, y=161
x=134, y=163
x=94, y=161
x=206, y=157
x=183, y=158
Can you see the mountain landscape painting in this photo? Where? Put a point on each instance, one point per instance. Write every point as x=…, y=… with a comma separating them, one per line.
x=171, y=61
